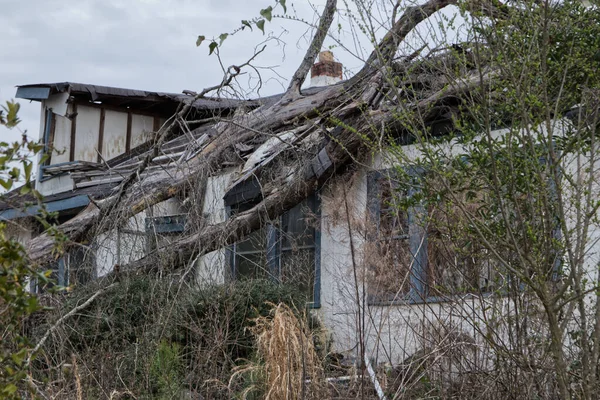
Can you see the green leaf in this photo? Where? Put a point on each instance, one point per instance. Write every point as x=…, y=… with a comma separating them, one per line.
x=27, y=169
x=14, y=173
x=9, y=389
x=11, y=109
x=222, y=37
x=25, y=189
x=200, y=39
x=260, y=24
x=282, y=2
x=246, y=24
x=6, y=184
x=19, y=356
x=266, y=13
x=211, y=47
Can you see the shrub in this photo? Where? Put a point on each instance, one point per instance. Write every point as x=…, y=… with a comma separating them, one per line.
x=158, y=337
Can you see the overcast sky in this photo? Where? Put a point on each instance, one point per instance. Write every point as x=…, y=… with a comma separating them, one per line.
x=146, y=44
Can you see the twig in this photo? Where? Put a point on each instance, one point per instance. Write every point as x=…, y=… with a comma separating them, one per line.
x=63, y=318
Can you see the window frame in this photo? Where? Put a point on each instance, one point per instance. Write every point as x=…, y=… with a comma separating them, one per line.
x=65, y=270
x=417, y=236
x=273, y=250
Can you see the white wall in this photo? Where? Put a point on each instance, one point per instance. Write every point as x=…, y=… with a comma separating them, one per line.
x=211, y=267
x=141, y=129
x=115, y=134
x=54, y=185
x=86, y=133
x=121, y=244
x=62, y=140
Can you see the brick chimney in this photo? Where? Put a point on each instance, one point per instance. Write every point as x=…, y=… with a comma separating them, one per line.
x=326, y=71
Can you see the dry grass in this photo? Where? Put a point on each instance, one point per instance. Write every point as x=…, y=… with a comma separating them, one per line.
x=289, y=367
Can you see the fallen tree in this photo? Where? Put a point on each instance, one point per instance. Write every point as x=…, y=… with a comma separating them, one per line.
x=357, y=105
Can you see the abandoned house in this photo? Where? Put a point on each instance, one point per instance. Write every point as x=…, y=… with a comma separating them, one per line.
x=96, y=137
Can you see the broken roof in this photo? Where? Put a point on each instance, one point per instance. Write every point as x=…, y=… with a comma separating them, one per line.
x=122, y=97
x=96, y=181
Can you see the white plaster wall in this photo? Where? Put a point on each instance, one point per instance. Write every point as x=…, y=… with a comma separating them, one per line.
x=62, y=140
x=121, y=245
x=211, y=267
x=133, y=246
x=115, y=134
x=58, y=103
x=57, y=184
x=86, y=134
x=141, y=129
x=41, y=138
x=105, y=245
x=170, y=206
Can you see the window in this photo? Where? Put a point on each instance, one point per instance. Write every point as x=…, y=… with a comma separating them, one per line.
x=57, y=276
x=419, y=251
x=159, y=232
x=286, y=250
x=424, y=245
x=77, y=267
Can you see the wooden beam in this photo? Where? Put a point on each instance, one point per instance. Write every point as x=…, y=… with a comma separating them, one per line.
x=101, y=133
x=50, y=143
x=156, y=125
x=128, y=136
x=73, y=133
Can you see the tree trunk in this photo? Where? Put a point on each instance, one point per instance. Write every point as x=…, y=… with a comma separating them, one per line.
x=343, y=103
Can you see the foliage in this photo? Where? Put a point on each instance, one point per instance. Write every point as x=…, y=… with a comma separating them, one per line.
x=15, y=271
x=518, y=206
x=158, y=337
x=166, y=370
x=266, y=14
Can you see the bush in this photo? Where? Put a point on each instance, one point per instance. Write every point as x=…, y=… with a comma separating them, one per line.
x=157, y=337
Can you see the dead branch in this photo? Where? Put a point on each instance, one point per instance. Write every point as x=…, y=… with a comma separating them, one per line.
x=62, y=319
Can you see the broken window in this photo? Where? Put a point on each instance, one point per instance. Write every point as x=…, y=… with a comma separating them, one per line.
x=81, y=268
x=285, y=250
x=297, y=246
x=425, y=244
x=419, y=251
x=457, y=262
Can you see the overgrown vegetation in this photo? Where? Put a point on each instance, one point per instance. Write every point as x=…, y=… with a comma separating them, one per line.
x=16, y=302
x=506, y=203
x=155, y=338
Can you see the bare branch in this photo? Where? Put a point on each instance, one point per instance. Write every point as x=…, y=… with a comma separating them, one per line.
x=63, y=318
x=386, y=49
x=313, y=49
